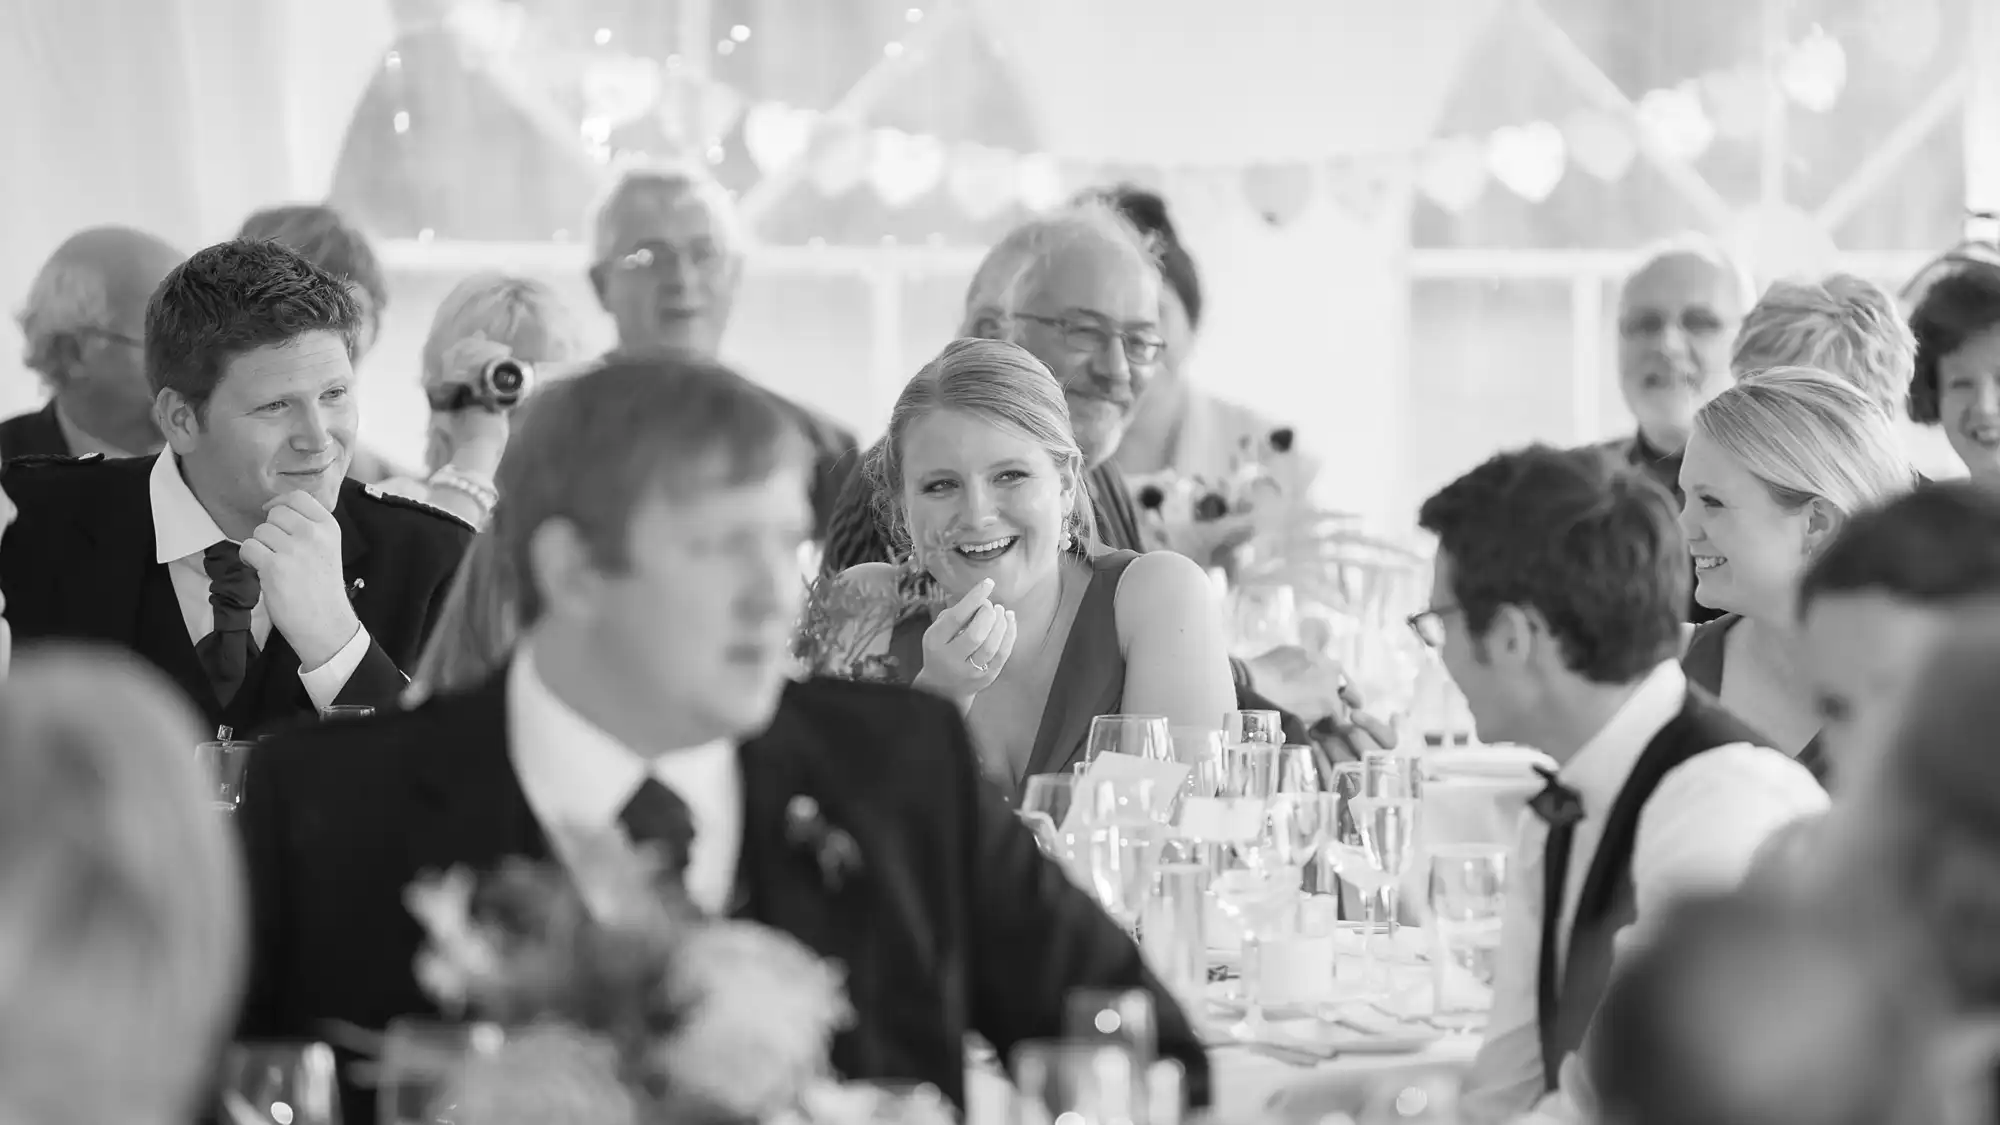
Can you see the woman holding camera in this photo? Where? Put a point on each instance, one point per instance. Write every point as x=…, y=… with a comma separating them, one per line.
x=494, y=336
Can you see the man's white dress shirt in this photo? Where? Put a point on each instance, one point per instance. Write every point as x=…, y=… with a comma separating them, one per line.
x=182, y=532
x=1699, y=832
x=577, y=779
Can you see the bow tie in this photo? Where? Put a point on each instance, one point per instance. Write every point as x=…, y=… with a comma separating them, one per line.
x=1557, y=804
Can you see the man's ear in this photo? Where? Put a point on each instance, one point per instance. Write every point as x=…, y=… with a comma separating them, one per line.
x=561, y=568
x=178, y=419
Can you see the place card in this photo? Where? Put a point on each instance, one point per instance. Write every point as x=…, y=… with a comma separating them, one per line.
x=1167, y=779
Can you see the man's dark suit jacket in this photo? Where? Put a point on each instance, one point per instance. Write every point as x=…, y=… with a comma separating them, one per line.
x=35, y=434
x=954, y=922
x=78, y=563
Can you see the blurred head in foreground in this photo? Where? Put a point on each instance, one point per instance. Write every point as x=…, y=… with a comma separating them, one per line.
x=121, y=948
x=1741, y=1011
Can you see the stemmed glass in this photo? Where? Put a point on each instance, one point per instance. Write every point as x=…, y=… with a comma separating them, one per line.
x=1045, y=805
x=1199, y=749
x=1468, y=890
x=279, y=1084
x=1260, y=898
x=1141, y=736
x=1122, y=823
x=1293, y=824
x=1387, y=827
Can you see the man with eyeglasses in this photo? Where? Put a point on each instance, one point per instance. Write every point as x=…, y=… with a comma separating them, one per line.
x=667, y=261
x=1678, y=315
x=1556, y=608
x=83, y=322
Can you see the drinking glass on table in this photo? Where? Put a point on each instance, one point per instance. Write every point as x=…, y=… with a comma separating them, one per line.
x=1293, y=822
x=1045, y=805
x=1249, y=771
x=1263, y=900
x=1122, y=835
x=1391, y=773
x=1387, y=827
x=279, y=1084
x=1253, y=726
x=225, y=762
x=1468, y=889
x=1199, y=749
x=1141, y=736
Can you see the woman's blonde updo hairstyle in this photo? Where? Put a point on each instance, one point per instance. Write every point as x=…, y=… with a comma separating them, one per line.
x=1000, y=383
x=1809, y=435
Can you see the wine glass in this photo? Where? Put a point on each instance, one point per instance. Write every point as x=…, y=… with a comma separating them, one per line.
x=1260, y=898
x=1253, y=726
x=225, y=762
x=1468, y=891
x=279, y=1084
x=1292, y=822
x=1045, y=805
x=1199, y=749
x=1391, y=773
x=1122, y=838
x=1249, y=771
x=1141, y=736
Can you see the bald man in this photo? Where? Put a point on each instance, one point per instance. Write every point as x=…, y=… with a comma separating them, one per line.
x=667, y=258
x=83, y=323
x=1678, y=315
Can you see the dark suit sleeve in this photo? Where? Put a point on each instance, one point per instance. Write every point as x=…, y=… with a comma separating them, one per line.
x=260, y=824
x=1036, y=937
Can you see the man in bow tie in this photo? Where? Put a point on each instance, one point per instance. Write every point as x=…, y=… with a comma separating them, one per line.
x=1556, y=606
x=652, y=514
x=239, y=559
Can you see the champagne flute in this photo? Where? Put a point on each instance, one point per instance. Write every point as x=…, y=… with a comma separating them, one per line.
x=1122, y=840
x=1249, y=771
x=1388, y=831
x=279, y=1084
x=1259, y=899
x=1141, y=736
x=1199, y=749
x=1253, y=726
x=1292, y=825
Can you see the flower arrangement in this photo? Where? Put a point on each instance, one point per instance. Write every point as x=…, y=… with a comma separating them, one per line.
x=622, y=1002
x=845, y=625
x=1207, y=519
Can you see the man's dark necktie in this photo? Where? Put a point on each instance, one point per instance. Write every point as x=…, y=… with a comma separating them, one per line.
x=230, y=648
x=656, y=817
x=1560, y=808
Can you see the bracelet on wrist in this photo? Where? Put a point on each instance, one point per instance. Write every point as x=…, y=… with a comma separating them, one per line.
x=480, y=492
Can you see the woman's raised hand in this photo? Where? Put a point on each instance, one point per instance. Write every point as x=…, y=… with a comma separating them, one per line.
x=967, y=645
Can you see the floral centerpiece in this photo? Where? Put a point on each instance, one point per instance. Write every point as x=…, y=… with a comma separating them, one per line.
x=844, y=629
x=621, y=1002
x=1210, y=519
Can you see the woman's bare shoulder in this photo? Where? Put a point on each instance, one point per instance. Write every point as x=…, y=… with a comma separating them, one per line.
x=1161, y=580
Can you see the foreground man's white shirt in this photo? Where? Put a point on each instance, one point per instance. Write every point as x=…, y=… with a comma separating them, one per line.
x=182, y=532
x=577, y=777
x=1698, y=832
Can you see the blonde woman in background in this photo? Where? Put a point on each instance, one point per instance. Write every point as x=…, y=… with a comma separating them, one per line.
x=1841, y=324
x=485, y=318
x=121, y=897
x=1775, y=466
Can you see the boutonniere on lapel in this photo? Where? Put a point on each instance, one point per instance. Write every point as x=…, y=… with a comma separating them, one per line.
x=356, y=587
x=836, y=853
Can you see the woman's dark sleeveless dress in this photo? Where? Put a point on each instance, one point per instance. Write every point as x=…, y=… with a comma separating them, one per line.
x=1089, y=679
x=1703, y=664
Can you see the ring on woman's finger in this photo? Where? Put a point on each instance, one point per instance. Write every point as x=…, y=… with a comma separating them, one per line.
x=977, y=666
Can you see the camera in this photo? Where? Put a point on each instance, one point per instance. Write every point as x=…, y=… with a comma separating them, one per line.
x=500, y=385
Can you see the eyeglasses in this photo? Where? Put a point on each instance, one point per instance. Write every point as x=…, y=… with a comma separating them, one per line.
x=1141, y=348
x=662, y=257
x=1647, y=324
x=1428, y=624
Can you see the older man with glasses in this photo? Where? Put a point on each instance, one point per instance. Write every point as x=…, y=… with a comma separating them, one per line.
x=84, y=322
x=667, y=260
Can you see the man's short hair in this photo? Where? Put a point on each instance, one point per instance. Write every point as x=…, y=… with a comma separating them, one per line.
x=121, y=894
x=1701, y=247
x=1012, y=268
x=324, y=237
x=654, y=181
x=67, y=297
x=1962, y=303
x=1741, y=1009
x=232, y=298
x=1937, y=545
x=590, y=450
x=1842, y=324
x=1590, y=545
